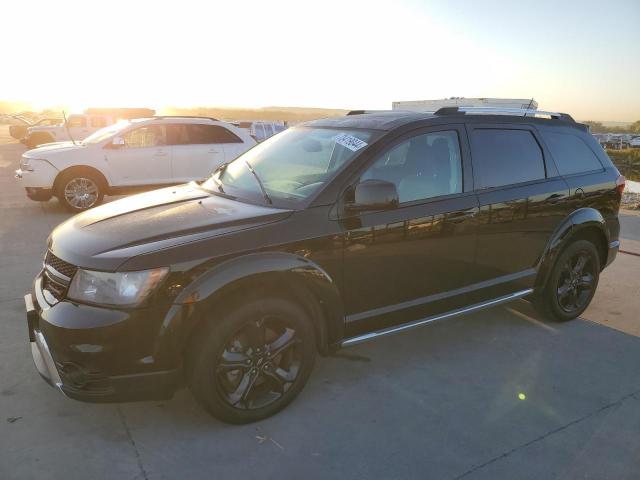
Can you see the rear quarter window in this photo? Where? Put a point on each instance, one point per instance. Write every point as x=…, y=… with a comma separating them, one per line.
x=207, y=134
x=504, y=157
x=571, y=153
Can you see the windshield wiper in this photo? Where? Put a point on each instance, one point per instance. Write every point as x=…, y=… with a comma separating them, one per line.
x=264, y=192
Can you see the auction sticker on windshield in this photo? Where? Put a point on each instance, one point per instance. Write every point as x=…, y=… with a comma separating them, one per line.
x=349, y=141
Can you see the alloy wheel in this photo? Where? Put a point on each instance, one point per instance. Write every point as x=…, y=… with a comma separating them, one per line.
x=259, y=364
x=576, y=282
x=81, y=193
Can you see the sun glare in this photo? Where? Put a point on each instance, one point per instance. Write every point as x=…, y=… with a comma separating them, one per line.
x=341, y=55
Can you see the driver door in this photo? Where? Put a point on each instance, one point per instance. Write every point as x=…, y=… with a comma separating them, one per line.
x=144, y=159
x=414, y=260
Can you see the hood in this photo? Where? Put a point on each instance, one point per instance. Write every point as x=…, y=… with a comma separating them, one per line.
x=104, y=237
x=49, y=150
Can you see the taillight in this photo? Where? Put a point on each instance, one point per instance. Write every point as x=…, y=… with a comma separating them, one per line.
x=620, y=184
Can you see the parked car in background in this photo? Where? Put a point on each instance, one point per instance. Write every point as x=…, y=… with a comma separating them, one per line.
x=330, y=234
x=130, y=155
x=616, y=142
x=635, y=142
x=19, y=130
x=80, y=125
x=261, y=130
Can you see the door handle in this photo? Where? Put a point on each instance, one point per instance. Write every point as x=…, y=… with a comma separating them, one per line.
x=555, y=198
x=160, y=154
x=213, y=150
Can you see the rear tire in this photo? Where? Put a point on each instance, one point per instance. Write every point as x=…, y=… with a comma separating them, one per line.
x=79, y=190
x=571, y=284
x=252, y=359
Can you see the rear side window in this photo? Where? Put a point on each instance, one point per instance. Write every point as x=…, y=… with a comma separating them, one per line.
x=505, y=157
x=205, y=134
x=177, y=134
x=571, y=153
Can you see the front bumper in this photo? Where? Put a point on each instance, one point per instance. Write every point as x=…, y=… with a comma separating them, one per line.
x=613, y=252
x=39, y=349
x=91, y=356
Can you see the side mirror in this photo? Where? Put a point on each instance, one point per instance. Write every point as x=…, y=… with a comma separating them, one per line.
x=115, y=143
x=374, y=195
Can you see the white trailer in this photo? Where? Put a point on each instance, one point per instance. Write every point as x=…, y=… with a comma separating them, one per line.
x=433, y=105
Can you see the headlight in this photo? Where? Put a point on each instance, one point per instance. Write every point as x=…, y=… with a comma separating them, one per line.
x=25, y=165
x=121, y=288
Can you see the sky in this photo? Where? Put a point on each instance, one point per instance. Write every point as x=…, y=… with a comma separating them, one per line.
x=581, y=57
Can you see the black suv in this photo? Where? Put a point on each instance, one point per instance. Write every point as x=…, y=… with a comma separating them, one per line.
x=326, y=235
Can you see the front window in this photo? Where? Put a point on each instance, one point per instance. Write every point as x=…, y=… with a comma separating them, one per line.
x=421, y=167
x=292, y=165
x=76, y=122
x=98, y=122
x=145, y=137
x=107, y=132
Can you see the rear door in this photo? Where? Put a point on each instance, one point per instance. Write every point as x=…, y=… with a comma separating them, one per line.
x=587, y=170
x=408, y=262
x=522, y=199
x=198, y=149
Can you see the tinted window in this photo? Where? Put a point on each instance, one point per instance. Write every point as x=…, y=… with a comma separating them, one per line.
x=149, y=136
x=504, y=157
x=177, y=134
x=76, y=122
x=571, y=153
x=421, y=167
x=205, y=134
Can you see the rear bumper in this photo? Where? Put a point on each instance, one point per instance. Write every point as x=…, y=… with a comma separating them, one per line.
x=85, y=375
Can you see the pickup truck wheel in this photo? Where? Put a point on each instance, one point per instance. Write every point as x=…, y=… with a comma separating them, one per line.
x=80, y=190
x=572, y=283
x=252, y=361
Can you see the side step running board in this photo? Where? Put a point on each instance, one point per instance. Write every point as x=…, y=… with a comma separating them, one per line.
x=418, y=323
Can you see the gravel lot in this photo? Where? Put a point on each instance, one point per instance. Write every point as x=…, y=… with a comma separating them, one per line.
x=500, y=394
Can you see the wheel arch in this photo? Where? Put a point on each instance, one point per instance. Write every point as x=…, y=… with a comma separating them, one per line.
x=268, y=273
x=584, y=223
x=80, y=168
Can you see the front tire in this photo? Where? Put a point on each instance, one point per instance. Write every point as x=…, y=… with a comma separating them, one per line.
x=572, y=282
x=80, y=190
x=253, y=360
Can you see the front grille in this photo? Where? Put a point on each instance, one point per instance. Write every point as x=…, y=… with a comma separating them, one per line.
x=59, y=265
x=56, y=289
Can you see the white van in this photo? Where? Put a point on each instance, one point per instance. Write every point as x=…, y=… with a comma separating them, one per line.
x=260, y=130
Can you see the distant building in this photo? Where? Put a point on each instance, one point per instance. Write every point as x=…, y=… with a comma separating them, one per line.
x=433, y=105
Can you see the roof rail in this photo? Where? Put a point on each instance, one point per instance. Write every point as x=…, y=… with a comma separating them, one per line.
x=362, y=112
x=524, y=112
x=160, y=117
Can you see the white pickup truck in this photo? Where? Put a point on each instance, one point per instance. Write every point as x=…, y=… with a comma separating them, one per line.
x=80, y=125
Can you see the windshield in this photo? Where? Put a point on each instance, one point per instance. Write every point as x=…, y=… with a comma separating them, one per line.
x=291, y=165
x=106, y=132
